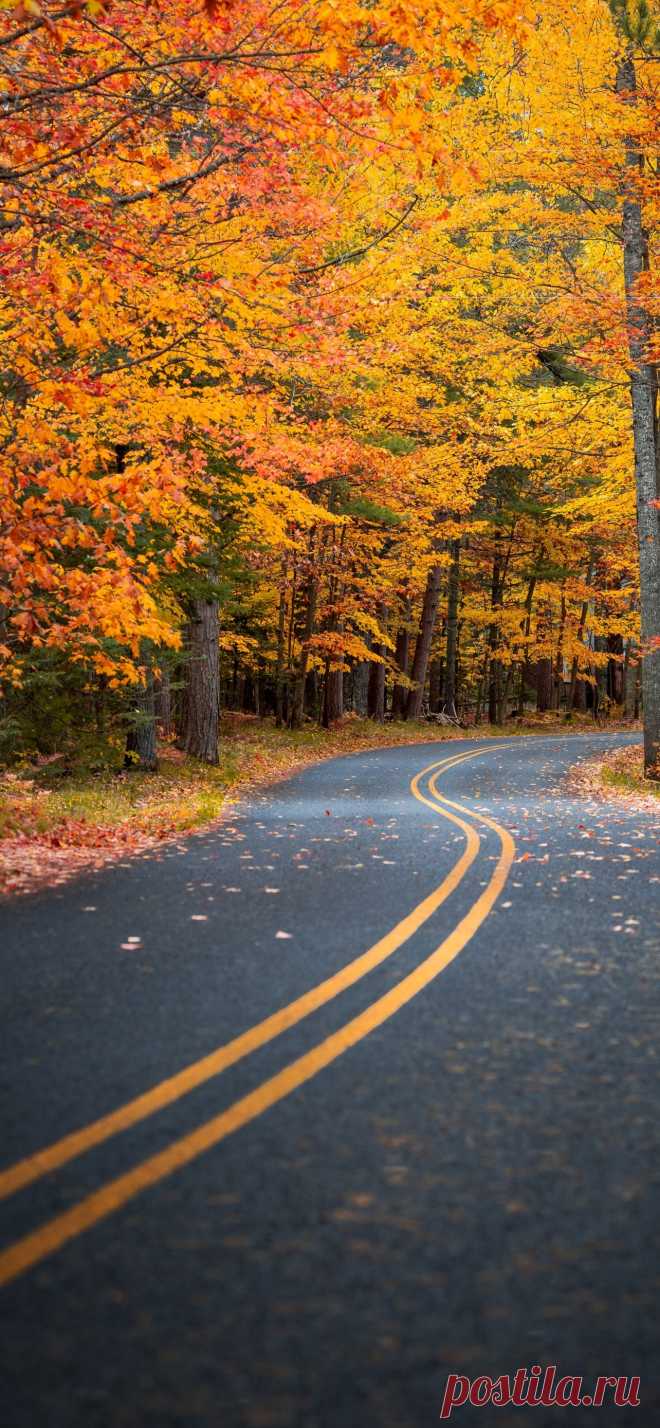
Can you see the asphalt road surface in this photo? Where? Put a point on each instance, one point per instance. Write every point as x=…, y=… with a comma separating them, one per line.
x=353, y=1092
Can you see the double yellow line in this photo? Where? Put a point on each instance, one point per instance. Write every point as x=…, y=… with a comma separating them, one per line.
x=30, y=1250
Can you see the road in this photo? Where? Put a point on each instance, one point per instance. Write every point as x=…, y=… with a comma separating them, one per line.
x=354, y=1091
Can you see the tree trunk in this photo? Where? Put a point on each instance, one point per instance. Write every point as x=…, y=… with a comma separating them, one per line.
x=312, y=699
x=360, y=688
x=580, y=697
x=376, y=686
x=376, y=694
x=279, y=667
x=202, y=702
x=643, y=395
x=100, y=691
x=453, y=593
x=402, y=657
x=543, y=684
x=141, y=738
x=600, y=689
x=333, y=686
x=163, y=693
x=505, y=696
x=436, y=684
x=571, y=701
x=500, y=563
x=481, y=689
x=495, y=669
x=615, y=669
x=559, y=658
x=298, y=704
x=630, y=680
x=423, y=642
x=494, y=690
x=333, y=700
x=525, y=668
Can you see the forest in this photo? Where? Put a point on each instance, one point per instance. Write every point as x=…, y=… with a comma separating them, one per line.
x=329, y=367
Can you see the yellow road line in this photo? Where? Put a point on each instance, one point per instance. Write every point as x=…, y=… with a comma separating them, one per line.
x=472, y=812
x=52, y=1157
x=33, y=1248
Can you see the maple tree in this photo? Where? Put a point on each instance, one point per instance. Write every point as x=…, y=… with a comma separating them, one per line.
x=320, y=330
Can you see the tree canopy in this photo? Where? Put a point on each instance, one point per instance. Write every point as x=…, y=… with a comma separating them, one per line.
x=329, y=361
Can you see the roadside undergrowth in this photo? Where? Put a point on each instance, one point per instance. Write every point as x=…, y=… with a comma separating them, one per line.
x=80, y=808
x=617, y=775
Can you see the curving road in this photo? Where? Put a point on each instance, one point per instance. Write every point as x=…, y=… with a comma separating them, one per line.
x=357, y=1090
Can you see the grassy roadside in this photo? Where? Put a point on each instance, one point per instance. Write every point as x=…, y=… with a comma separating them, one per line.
x=74, y=799
x=625, y=770
x=81, y=809
x=618, y=774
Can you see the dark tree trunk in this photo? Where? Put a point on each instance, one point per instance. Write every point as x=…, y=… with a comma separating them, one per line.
x=494, y=680
x=436, y=683
x=506, y=695
x=202, y=701
x=615, y=669
x=360, y=688
x=572, y=701
x=580, y=696
x=631, y=680
x=643, y=387
x=638, y=691
x=402, y=657
x=163, y=693
x=99, y=703
x=376, y=686
x=423, y=642
x=544, y=684
x=559, y=658
x=333, y=689
x=600, y=691
x=179, y=702
x=481, y=690
x=279, y=668
x=298, y=703
x=494, y=691
x=453, y=594
x=525, y=668
x=141, y=738
x=312, y=700
x=376, y=693
x=496, y=599
x=333, y=701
